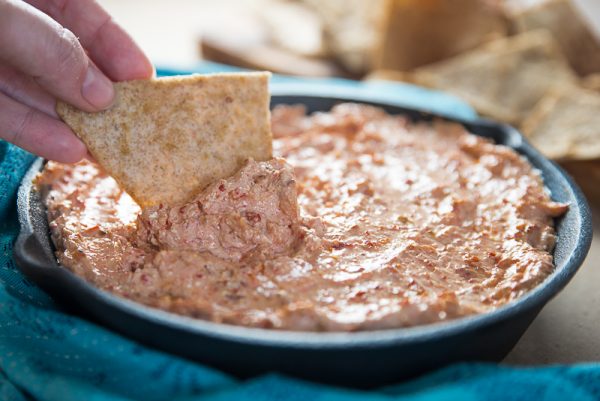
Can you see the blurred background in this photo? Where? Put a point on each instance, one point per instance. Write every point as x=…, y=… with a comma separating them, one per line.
x=348, y=36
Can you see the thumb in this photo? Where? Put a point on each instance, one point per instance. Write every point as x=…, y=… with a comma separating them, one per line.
x=37, y=45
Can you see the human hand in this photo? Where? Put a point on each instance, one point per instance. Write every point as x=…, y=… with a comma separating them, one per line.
x=51, y=50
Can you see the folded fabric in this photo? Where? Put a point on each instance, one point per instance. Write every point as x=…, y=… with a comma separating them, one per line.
x=48, y=354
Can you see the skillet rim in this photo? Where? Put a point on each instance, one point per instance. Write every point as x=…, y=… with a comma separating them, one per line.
x=534, y=299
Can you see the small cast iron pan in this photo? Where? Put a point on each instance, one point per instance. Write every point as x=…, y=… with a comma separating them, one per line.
x=362, y=359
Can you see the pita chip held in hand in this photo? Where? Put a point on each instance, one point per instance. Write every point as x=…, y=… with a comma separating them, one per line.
x=166, y=139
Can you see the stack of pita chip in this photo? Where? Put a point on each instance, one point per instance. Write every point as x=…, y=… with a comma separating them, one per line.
x=565, y=125
x=403, y=34
x=419, y=32
x=504, y=79
x=577, y=41
x=352, y=30
x=282, y=37
x=544, y=78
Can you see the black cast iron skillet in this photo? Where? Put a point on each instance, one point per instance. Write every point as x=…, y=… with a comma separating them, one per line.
x=362, y=359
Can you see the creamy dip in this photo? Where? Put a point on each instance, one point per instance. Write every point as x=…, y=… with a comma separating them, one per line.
x=363, y=221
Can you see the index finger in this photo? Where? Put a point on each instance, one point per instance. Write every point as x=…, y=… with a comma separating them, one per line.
x=111, y=48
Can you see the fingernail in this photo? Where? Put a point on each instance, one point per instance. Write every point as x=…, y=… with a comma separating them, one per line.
x=97, y=89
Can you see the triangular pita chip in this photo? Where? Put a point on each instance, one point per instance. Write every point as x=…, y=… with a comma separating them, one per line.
x=503, y=79
x=565, y=125
x=351, y=30
x=570, y=29
x=420, y=32
x=166, y=139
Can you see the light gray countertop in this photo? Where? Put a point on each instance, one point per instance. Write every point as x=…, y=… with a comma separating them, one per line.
x=568, y=328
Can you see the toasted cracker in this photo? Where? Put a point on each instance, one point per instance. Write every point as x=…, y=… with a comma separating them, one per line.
x=420, y=32
x=351, y=30
x=592, y=82
x=505, y=78
x=564, y=21
x=565, y=125
x=166, y=139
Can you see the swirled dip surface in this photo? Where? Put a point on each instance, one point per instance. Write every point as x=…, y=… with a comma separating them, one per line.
x=370, y=222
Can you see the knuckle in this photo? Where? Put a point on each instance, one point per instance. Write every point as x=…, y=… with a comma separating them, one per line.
x=57, y=7
x=22, y=128
x=68, y=54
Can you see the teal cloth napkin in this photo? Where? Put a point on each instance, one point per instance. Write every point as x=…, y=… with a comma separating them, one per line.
x=47, y=354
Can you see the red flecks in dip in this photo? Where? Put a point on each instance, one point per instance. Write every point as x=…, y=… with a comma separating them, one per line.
x=380, y=223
